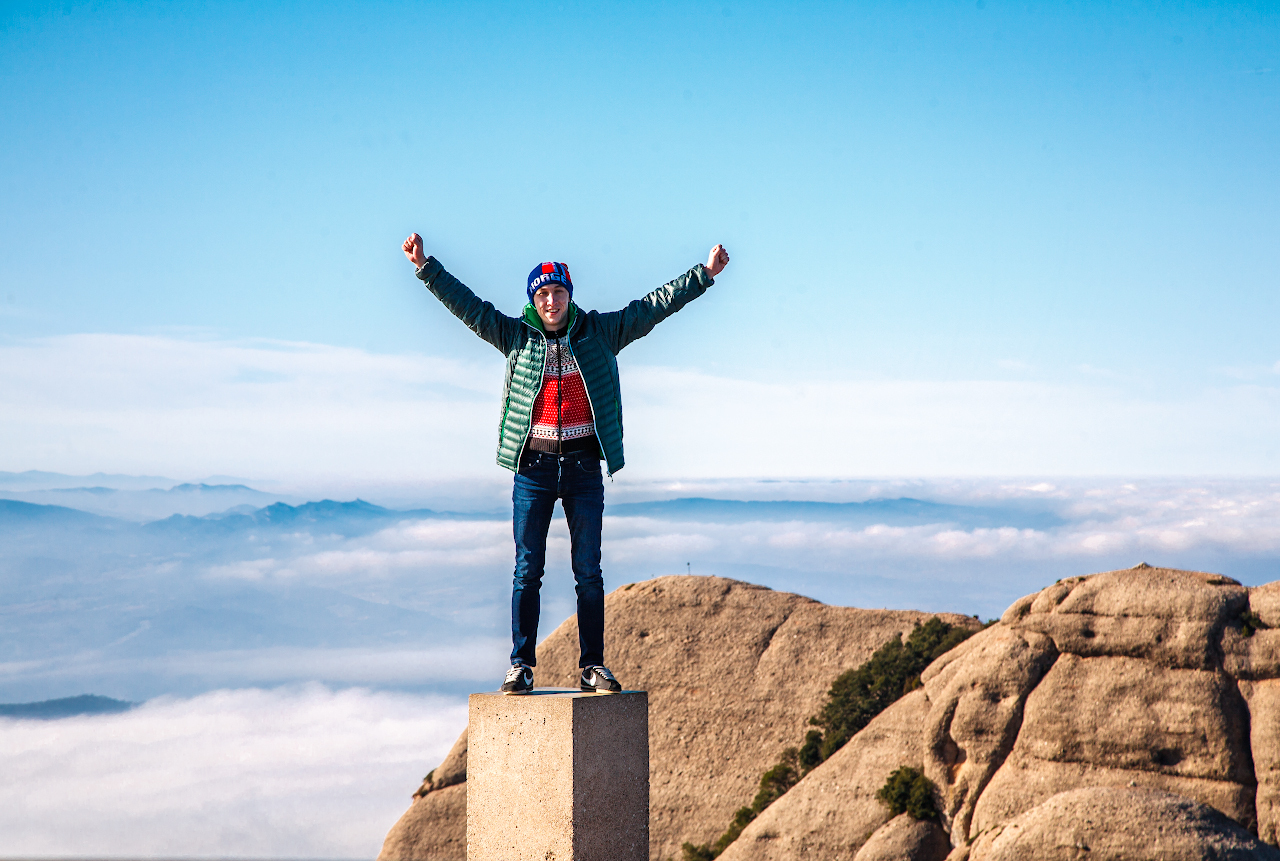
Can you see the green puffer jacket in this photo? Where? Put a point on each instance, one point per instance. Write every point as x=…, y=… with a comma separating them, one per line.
x=595, y=340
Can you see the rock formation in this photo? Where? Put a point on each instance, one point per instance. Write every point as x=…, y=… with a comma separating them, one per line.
x=1117, y=824
x=1131, y=714
x=733, y=673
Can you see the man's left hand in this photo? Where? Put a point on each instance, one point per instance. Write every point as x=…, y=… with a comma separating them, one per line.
x=717, y=260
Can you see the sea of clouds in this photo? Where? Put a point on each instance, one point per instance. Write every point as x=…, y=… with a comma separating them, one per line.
x=295, y=772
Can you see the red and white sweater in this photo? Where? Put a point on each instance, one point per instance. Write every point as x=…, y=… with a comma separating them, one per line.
x=562, y=417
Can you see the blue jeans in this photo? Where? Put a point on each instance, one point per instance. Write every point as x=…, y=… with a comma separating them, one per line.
x=574, y=479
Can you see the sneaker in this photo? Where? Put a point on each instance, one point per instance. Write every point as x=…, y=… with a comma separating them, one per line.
x=519, y=680
x=600, y=680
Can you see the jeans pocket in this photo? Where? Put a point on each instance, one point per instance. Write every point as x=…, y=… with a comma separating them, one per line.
x=589, y=465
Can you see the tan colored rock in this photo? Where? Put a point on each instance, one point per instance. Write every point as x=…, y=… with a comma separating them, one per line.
x=1264, y=601
x=1264, y=710
x=450, y=772
x=976, y=703
x=433, y=829
x=1255, y=657
x=1022, y=783
x=1170, y=617
x=1133, y=714
x=1108, y=824
x=733, y=672
x=1116, y=721
x=1169, y=642
x=1158, y=592
x=833, y=811
x=905, y=839
x=1114, y=710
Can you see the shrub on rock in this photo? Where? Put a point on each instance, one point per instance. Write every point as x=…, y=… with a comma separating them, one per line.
x=908, y=791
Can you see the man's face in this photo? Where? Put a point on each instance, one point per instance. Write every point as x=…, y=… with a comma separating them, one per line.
x=552, y=304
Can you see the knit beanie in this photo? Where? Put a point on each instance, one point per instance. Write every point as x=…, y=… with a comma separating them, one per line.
x=549, y=273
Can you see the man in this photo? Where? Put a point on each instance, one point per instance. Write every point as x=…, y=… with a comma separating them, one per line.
x=561, y=413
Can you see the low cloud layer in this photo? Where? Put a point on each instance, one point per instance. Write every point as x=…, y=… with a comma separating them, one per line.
x=288, y=773
x=1229, y=525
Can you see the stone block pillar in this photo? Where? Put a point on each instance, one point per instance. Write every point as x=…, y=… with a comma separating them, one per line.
x=558, y=775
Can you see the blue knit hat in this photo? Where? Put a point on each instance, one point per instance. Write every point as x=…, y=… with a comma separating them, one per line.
x=549, y=273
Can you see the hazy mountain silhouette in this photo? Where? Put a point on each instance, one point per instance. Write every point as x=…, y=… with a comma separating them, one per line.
x=891, y=512
x=85, y=704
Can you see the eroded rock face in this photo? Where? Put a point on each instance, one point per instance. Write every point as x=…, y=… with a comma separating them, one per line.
x=904, y=837
x=833, y=817
x=976, y=701
x=1114, y=717
x=1108, y=824
x=434, y=827
x=733, y=673
x=1133, y=681
x=1134, y=712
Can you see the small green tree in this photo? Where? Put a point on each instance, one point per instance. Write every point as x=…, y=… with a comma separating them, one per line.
x=1251, y=622
x=909, y=791
x=860, y=694
x=774, y=783
x=855, y=698
x=811, y=751
x=696, y=853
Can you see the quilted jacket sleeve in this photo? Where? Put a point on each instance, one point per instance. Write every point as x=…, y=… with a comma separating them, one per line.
x=480, y=316
x=640, y=316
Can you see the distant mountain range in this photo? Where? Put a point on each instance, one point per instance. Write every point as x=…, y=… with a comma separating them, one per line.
x=85, y=704
x=145, y=504
x=34, y=479
x=339, y=518
x=890, y=512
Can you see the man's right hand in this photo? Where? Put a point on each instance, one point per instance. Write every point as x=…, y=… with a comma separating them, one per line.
x=413, y=250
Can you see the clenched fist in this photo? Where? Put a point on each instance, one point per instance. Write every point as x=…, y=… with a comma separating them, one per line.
x=413, y=250
x=716, y=261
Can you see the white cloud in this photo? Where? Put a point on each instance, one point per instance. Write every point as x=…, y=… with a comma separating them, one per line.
x=305, y=411
x=288, y=773
x=189, y=407
x=460, y=659
x=1101, y=518
x=732, y=427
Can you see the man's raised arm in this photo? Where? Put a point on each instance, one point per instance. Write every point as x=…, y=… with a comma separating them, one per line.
x=641, y=315
x=480, y=316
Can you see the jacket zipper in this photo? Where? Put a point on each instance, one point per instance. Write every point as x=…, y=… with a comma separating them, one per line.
x=592, y=407
x=541, y=376
x=560, y=399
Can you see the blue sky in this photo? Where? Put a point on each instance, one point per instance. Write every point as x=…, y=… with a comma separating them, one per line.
x=1071, y=197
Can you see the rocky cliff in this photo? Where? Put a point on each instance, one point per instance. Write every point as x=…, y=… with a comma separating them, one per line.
x=1114, y=716
x=1132, y=714
x=733, y=673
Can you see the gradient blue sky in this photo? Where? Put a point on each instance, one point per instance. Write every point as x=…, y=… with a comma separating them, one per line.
x=1055, y=195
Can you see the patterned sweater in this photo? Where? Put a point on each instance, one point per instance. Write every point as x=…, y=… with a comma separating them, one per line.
x=562, y=419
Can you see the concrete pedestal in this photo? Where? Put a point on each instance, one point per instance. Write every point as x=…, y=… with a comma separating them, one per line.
x=558, y=775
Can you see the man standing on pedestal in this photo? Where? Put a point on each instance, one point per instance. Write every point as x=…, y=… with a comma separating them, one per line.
x=561, y=414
